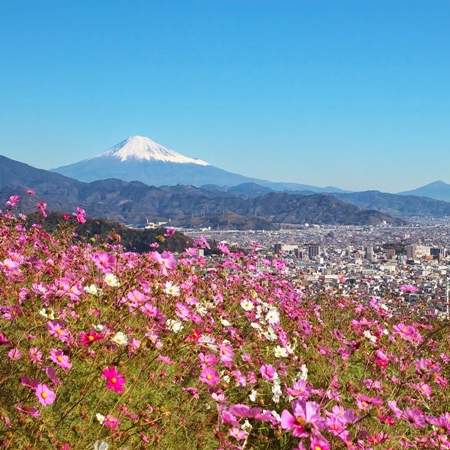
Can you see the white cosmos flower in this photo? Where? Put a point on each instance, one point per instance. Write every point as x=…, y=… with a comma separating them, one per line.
x=92, y=289
x=174, y=325
x=111, y=280
x=120, y=339
x=370, y=336
x=98, y=327
x=100, y=445
x=50, y=314
x=253, y=395
x=280, y=352
x=225, y=322
x=247, y=305
x=273, y=316
x=100, y=418
x=171, y=289
x=304, y=372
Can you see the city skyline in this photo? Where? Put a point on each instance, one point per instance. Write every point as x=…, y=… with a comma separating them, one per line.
x=349, y=95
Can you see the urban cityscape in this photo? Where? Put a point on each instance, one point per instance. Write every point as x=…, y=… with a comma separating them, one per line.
x=367, y=260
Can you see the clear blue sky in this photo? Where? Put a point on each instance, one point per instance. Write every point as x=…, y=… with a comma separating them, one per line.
x=354, y=94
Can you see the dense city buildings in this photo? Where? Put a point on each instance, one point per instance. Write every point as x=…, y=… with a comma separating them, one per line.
x=371, y=260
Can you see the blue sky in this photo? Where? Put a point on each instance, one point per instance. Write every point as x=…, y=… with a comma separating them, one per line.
x=354, y=94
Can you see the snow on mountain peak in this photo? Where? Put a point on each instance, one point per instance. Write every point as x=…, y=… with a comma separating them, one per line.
x=143, y=148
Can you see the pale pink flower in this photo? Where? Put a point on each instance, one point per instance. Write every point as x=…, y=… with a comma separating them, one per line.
x=58, y=357
x=45, y=395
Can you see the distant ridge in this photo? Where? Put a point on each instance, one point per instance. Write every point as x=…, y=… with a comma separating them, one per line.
x=185, y=206
x=437, y=190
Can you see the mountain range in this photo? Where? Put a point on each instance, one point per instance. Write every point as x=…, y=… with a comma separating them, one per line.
x=184, y=206
x=240, y=205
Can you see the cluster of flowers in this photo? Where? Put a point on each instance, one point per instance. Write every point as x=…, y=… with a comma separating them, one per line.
x=101, y=347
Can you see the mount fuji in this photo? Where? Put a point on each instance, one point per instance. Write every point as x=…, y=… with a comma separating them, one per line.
x=139, y=158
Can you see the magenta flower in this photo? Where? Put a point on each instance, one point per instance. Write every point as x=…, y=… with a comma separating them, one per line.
x=80, y=215
x=116, y=381
x=415, y=417
x=305, y=419
x=41, y=206
x=89, y=338
x=209, y=376
x=58, y=357
x=111, y=422
x=169, y=232
x=45, y=395
x=408, y=288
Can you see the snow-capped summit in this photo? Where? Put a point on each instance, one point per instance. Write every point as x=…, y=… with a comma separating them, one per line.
x=143, y=148
x=139, y=158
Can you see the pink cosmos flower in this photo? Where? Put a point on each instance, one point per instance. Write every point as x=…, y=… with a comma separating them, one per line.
x=51, y=373
x=424, y=389
x=409, y=288
x=223, y=248
x=41, y=206
x=208, y=360
x=45, y=395
x=111, y=422
x=305, y=419
x=58, y=357
x=33, y=384
x=169, y=232
x=318, y=442
x=165, y=261
x=238, y=434
x=268, y=372
x=300, y=390
x=226, y=354
x=415, y=417
x=104, y=261
x=89, y=338
x=56, y=330
x=3, y=339
x=80, y=215
x=31, y=410
x=116, y=381
x=209, y=376
x=35, y=355
x=245, y=411
x=14, y=354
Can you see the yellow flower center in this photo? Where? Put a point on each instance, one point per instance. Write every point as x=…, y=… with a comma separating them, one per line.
x=113, y=380
x=59, y=358
x=44, y=395
x=299, y=421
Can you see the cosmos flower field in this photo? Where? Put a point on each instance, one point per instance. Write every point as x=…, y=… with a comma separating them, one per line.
x=106, y=349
